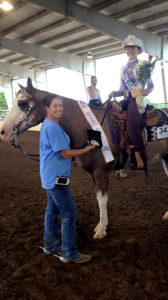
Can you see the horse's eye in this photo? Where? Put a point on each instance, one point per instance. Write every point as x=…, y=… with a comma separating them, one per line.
x=22, y=104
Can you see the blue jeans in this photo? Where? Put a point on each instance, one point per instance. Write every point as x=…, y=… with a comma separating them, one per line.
x=60, y=202
x=94, y=102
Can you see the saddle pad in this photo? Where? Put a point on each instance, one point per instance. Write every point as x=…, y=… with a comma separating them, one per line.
x=155, y=117
x=156, y=124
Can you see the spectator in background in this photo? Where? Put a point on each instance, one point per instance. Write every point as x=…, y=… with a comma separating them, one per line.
x=93, y=92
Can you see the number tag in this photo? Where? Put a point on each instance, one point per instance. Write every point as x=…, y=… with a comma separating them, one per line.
x=162, y=132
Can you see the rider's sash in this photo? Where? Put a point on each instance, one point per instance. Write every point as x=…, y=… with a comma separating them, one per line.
x=128, y=82
x=94, y=123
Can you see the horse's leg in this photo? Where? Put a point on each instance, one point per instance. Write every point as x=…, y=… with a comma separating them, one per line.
x=165, y=163
x=100, y=177
x=165, y=166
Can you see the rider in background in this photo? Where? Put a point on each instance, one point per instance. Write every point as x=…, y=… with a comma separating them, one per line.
x=133, y=47
x=93, y=92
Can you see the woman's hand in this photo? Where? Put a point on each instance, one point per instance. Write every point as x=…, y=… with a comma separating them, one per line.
x=69, y=153
x=111, y=95
x=90, y=147
x=144, y=92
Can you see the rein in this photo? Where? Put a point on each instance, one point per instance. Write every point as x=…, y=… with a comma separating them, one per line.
x=17, y=146
x=105, y=113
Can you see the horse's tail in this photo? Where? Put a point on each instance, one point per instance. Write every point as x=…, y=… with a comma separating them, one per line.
x=135, y=127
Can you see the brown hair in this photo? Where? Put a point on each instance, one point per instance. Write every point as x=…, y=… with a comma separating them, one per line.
x=48, y=99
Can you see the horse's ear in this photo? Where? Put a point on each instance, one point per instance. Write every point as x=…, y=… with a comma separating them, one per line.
x=29, y=84
x=21, y=86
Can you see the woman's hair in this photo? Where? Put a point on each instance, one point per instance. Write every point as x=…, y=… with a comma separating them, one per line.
x=49, y=98
x=92, y=78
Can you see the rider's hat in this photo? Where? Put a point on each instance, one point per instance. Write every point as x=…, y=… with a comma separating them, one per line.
x=132, y=41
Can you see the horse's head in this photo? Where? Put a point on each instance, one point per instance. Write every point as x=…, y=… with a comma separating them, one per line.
x=26, y=111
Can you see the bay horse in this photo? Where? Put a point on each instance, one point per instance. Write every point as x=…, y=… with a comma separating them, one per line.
x=28, y=110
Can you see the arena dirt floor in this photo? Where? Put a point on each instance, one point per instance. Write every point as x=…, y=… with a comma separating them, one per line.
x=130, y=263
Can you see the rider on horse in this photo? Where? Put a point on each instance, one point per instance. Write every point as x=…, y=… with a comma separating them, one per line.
x=128, y=81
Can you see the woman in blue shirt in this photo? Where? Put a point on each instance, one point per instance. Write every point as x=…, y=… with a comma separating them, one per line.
x=55, y=168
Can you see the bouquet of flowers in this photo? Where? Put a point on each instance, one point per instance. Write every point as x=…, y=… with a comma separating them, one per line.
x=144, y=70
x=143, y=74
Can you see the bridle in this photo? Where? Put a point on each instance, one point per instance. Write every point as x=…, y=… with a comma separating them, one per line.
x=16, y=130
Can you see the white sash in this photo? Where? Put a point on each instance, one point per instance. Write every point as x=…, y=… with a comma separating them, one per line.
x=128, y=82
x=94, y=123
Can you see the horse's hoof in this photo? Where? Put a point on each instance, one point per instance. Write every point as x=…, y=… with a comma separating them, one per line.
x=99, y=236
x=165, y=216
x=121, y=173
x=96, y=228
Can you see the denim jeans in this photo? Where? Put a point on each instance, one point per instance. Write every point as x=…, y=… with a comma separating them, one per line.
x=60, y=202
x=94, y=102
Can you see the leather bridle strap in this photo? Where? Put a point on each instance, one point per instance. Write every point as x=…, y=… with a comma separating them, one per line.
x=17, y=146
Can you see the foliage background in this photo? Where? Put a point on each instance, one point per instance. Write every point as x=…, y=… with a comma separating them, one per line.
x=3, y=103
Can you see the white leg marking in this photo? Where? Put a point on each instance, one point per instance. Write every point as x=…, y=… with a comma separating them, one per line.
x=165, y=166
x=100, y=230
x=165, y=216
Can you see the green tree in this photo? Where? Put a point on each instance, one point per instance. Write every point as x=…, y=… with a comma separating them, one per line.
x=3, y=103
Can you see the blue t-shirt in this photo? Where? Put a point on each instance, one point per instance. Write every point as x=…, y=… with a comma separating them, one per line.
x=53, y=139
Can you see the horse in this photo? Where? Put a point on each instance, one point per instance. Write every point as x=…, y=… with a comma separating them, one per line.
x=28, y=110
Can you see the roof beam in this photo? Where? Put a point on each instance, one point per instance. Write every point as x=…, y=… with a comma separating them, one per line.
x=150, y=18
x=104, y=4
x=11, y=53
x=19, y=71
x=93, y=46
x=103, y=49
x=29, y=20
x=105, y=23
x=138, y=8
x=30, y=62
x=18, y=59
x=45, y=29
x=62, y=35
x=78, y=41
x=66, y=60
x=163, y=33
x=158, y=27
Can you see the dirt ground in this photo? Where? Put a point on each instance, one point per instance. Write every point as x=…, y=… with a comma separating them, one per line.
x=130, y=263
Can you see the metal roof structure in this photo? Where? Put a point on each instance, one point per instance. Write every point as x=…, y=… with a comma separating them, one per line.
x=40, y=34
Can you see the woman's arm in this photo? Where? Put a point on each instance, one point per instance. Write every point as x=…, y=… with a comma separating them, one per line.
x=150, y=87
x=69, y=153
x=90, y=92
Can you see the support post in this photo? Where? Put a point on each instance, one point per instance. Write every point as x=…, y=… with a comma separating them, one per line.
x=163, y=74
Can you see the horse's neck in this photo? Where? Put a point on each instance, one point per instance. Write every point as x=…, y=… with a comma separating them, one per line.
x=39, y=95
